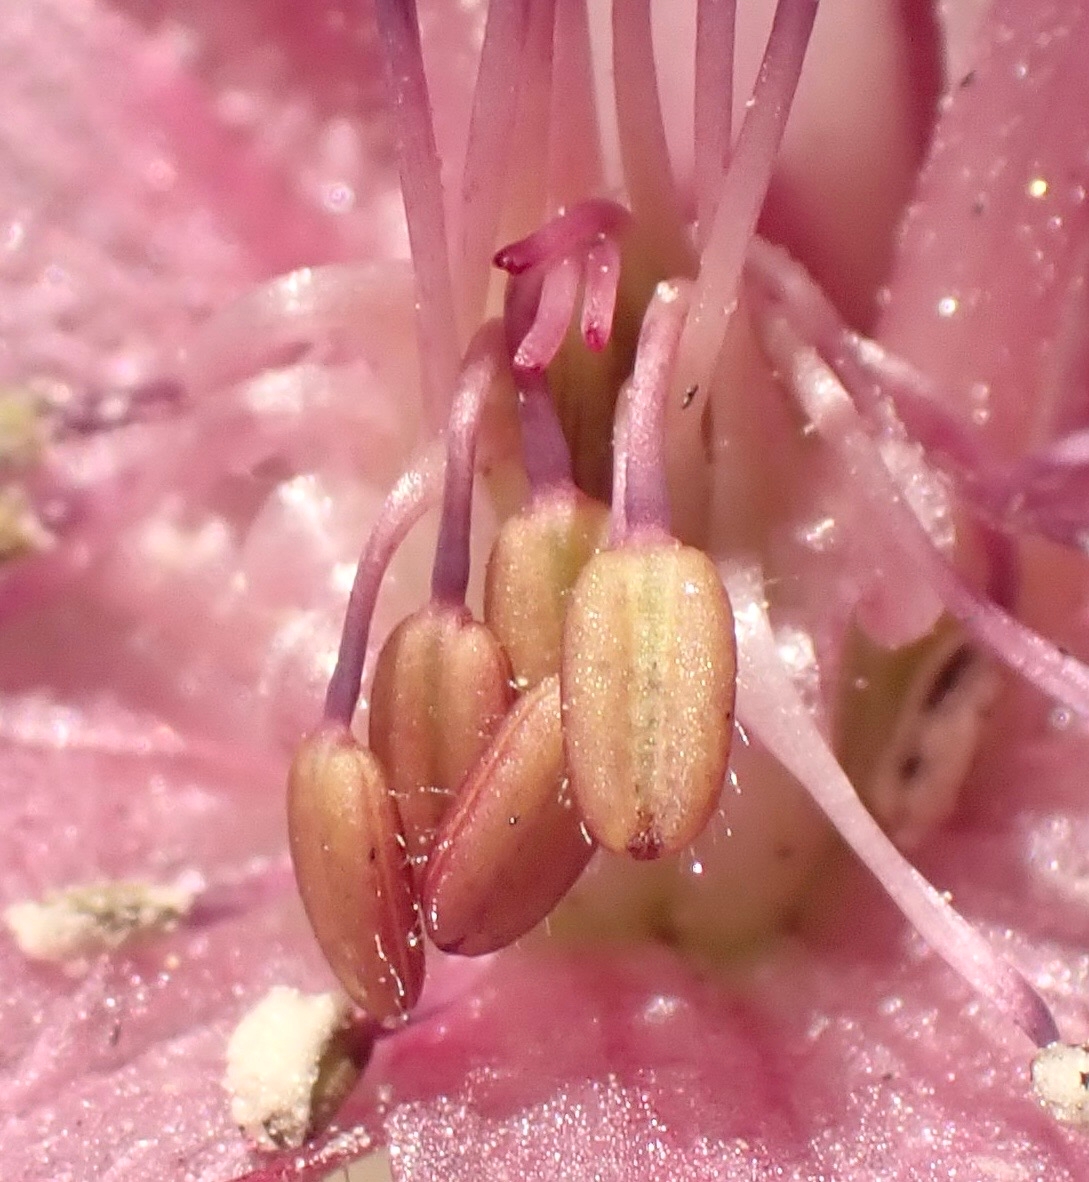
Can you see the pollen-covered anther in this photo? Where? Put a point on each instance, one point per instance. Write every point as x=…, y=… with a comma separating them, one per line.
x=349, y=856
x=534, y=563
x=442, y=685
x=291, y=1061
x=1060, y=1080
x=648, y=695
x=71, y=925
x=514, y=844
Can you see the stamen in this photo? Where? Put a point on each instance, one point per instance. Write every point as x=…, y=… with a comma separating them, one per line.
x=348, y=851
x=646, y=498
x=450, y=574
x=712, y=130
x=103, y=410
x=1049, y=491
x=487, y=157
x=770, y=706
x=647, y=670
x=1046, y=493
x=442, y=686
x=413, y=494
x=442, y=682
x=536, y=558
x=832, y=413
x=421, y=186
x=648, y=171
x=742, y=196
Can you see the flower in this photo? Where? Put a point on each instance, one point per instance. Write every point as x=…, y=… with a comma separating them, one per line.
x=172, y=626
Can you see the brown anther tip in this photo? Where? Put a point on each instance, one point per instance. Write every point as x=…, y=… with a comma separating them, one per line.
x=646, y=845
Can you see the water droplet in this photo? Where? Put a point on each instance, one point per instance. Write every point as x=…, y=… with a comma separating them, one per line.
x=979, y=394
x=819, y=535
x=338, y=197
x=1060, y=718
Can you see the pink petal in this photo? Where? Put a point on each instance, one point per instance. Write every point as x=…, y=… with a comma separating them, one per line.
x=989, y=291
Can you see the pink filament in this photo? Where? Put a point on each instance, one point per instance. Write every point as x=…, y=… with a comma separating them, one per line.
x=574, y=151
x=1031, y=496
x=421, y=187
x=769, y=706
x=742, y=193
x=831, y=411
x=491, y=141
x=866, y=370
x=413, y=494
x=646, y=500
x=526, y=201
x=712, y=129
x=618, y=517
x=484, y=359
x=643, y=149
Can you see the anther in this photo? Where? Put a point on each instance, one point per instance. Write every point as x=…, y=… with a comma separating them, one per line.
x=514, y=844
x=442, y=685
x=648, y=688
x=537, y=556
x=348, y=850
x=291, y=1061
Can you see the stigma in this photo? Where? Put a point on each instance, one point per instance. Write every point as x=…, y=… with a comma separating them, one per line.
x=679, y=692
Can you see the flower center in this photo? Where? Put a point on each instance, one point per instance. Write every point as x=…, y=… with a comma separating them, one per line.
x=728, y=492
